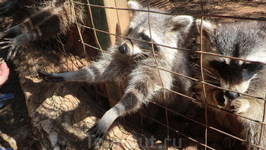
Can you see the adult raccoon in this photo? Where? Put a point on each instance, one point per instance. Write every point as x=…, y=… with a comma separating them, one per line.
x=53, y=19
x=241, y=76
x=133, y=64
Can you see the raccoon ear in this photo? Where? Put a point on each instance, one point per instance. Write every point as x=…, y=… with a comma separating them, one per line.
x=207, y=27
x=181, y=22
x=133, y=5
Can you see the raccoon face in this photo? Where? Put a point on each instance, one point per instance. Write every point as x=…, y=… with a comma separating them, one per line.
x=149, y=31
x=143, y=45
x=236, y=75
x=235, y=40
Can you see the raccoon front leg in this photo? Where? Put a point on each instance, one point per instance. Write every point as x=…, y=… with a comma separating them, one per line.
x=45, y=24
x=140, y=91
x=13, y=38
x=100, y=71
x=250, y=108
x=26, y=25
x=13, y=44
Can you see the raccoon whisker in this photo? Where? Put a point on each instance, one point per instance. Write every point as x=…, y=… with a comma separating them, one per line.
x=250, y=88
x=255, y=77
x=141, y=55
x=146, y=50
x=212, y=76
x=212, y=82
x=207, y=71
x=204, y=69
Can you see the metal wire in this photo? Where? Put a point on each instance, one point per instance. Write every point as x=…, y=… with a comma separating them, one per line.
x=204, y=83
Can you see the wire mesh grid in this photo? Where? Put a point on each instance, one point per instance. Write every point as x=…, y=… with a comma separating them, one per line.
x=73, y=56
x=200, y=51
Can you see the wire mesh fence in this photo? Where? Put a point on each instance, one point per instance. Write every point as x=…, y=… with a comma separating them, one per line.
x=219, y=73
x=209, y=86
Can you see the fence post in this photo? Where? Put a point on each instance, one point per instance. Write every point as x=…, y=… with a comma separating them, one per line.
x=115, y=22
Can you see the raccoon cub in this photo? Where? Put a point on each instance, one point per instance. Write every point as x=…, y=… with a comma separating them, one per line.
x=56, y=18
x=134, y=64
x=241, y=77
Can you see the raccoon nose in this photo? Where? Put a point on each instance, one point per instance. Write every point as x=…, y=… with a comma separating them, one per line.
x=123, y=48
x=231, y=95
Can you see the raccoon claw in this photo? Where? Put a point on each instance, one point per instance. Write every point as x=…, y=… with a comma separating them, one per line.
x=50, y=77
x=96, y=135
x=229, y=142
x=7, y=43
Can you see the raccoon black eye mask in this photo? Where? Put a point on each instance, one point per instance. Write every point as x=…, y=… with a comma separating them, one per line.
x=234, y=72
x=243, y=82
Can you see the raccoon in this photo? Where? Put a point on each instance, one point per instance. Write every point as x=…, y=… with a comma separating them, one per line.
x=133, y=65
x=55, y=18
x=241, y=77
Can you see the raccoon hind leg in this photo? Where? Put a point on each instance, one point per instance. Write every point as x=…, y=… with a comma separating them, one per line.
x=140, y=90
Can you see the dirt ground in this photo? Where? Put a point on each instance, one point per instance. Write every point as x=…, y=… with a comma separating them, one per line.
x=14, y=120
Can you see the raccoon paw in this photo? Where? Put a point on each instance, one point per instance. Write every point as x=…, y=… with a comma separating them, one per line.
x=239, y=106
x=96, y=135
x=229, y=142
x=13, y=45
x=50, y=77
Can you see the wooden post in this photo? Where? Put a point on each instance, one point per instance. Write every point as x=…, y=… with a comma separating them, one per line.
x=117, y=20
x=114, y=22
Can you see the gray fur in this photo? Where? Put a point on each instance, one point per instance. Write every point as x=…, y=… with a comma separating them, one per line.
x=53, y=19
x=245, y=40
x=133, y=64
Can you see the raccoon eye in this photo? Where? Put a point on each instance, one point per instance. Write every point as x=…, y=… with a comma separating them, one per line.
x=145, y=37
x=147, y=46
x=253, y=67
x=217, y=65
x=155, y=47
x=129, y=31
x=249, y=70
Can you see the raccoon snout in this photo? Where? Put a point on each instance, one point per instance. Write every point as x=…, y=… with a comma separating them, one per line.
x=123, y=48
x=232, y=95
